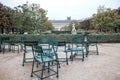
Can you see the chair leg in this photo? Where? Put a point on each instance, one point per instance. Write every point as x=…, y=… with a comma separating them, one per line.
x=24, y=55
x=3, y=48
x=82, y=55
x=97, y=49
x=87, y=50
x=71, y=56
x=59, y=64
x=23, y=58
x=14, y=48
x=18, y=48
x=66, y=58
x=43, y=68
x=9, y=47
x=21, y=47
x=48, y=67
x=32, y=69
x=57, y=69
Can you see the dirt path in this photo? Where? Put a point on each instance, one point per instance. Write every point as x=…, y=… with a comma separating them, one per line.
x=105, y=66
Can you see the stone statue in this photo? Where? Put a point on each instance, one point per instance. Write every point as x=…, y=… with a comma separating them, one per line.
x=73, y=29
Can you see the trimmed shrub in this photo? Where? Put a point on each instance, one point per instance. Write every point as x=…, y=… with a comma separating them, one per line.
x=93, y=37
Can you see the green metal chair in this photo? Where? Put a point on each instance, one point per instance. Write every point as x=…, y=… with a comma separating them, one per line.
x=62, y=50
x=5, y=41
x=47, y=62
x=44, y=42
x=24, y=45
x=47, y=44
x=93, y=41
x=77, y=48
x=22, y=40
x=15, y=45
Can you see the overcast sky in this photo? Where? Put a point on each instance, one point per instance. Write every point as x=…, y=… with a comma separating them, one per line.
x=61, y=9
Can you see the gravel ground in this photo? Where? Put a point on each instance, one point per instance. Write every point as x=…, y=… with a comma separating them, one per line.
x=105, y=66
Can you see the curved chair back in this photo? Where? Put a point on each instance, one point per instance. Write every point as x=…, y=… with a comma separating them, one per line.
x=78, y=41
x=45, y=43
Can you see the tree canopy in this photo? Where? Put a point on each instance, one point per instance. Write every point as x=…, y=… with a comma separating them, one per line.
x=31, y=18
x=106, y=19
x=24, y=18
x=5, y=18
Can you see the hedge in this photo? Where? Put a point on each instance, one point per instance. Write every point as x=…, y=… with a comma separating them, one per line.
x=101, y=38
x=105, y=38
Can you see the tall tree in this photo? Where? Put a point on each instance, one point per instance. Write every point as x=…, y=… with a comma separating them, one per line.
x=30, y=18
x=5, y=18
x=105, y=19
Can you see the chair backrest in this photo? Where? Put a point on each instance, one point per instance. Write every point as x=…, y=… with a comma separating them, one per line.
x=28, y=42
x=93, y=39
x=78, y=41
x=54, y=45
x=5, y=39
x=45, y=43
x=37, y=51
x=23, y=39
x=43, y=40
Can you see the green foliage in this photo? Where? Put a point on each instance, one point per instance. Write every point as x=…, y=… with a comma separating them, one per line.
x=106, y=19
x=104, y=38
x=85, y=24
x=31, y=18
x=69, y=27
x=5, y=18
x=92, y=37
x=61, y=32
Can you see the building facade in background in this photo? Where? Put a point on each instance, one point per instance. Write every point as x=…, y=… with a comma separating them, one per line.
x=58, y=24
